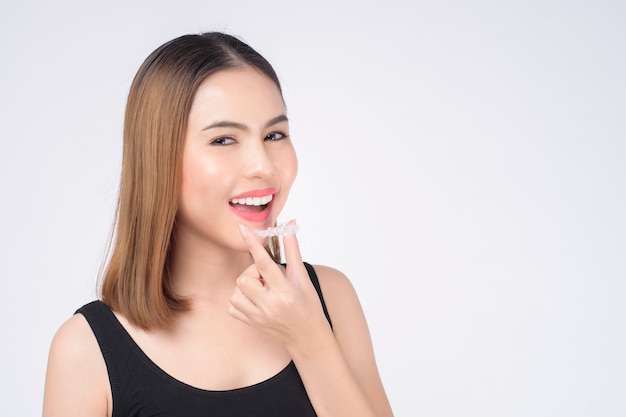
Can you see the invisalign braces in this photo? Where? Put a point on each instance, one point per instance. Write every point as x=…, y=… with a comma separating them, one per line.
x=280, y=230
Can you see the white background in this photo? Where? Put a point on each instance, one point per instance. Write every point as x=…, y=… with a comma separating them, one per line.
x=464, y=163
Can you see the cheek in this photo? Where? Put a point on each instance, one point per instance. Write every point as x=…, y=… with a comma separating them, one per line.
x=286, y=168
x=289, y=167
x=200, y=178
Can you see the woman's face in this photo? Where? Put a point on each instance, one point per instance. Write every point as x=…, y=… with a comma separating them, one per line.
x=238, y=160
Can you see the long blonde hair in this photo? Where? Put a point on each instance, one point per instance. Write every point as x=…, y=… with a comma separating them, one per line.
x=135, y=281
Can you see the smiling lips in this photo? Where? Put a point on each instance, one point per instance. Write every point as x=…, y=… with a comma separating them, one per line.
x=252, y=206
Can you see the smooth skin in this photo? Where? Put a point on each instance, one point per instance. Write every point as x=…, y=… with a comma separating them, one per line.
x=249, y=317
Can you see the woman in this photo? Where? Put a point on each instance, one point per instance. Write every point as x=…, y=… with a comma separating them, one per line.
x=198, y=317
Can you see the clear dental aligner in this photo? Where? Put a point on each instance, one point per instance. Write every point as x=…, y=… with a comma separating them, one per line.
x=280, y=230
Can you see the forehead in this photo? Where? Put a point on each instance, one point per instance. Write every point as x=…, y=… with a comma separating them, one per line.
x=237, y=93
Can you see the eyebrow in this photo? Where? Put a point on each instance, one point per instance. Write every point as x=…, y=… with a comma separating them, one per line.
x=241, y=126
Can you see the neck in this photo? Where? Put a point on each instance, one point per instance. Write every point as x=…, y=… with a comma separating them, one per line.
x=203, y=272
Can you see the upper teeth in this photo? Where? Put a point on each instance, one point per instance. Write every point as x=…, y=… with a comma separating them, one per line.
x=253, y=201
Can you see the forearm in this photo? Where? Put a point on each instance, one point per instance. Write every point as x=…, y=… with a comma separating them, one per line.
x=332, y=387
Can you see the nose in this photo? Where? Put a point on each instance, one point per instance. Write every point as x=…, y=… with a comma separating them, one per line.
x=259, y=162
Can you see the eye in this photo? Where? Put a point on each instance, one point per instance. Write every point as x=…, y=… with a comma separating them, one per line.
x=276, y=136
x=222, y=141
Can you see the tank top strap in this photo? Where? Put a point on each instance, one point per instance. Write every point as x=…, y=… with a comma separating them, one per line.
x=113, y=341
x=318, y=288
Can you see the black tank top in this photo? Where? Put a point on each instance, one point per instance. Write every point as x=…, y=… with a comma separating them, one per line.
x=141, y=389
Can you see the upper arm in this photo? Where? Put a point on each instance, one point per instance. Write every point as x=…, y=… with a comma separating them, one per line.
x=76, y=378
x=352, y=334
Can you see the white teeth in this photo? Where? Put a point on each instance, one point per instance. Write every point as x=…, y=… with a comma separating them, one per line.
x=253, y=201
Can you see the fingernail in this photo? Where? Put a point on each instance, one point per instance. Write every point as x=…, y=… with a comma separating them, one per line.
x=242, y=231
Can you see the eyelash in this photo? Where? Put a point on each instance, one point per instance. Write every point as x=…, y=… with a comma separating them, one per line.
x=220, y=141
x=273, y=137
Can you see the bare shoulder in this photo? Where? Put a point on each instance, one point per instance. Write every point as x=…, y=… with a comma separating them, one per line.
x=340, y=297
x=74, y=344
x=333, y=281
x=74, y=337
x=76, y=378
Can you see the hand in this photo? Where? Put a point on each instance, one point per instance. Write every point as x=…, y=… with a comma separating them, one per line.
x=285, y=305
